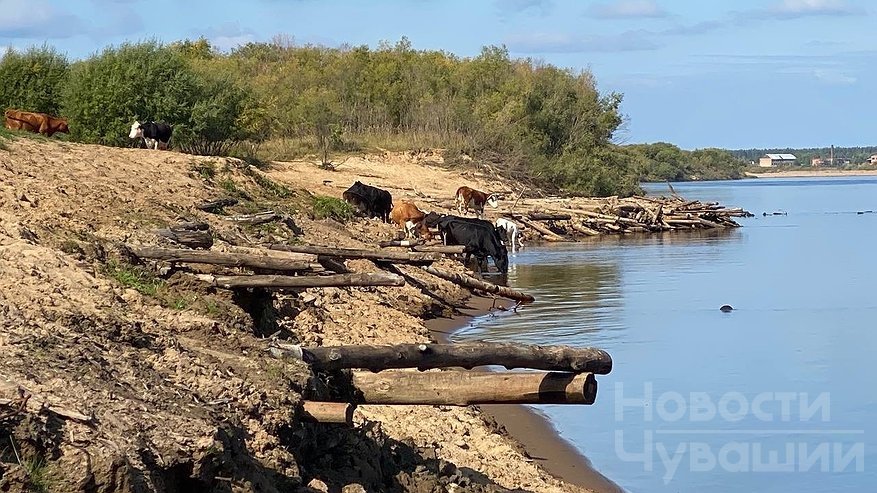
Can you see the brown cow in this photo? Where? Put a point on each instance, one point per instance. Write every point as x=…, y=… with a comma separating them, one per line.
x=35, y=122
x=409, y=218
x=469, y=198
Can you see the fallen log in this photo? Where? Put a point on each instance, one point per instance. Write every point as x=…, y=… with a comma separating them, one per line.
x=542, y=216
x=472, y=283
x=328, y=412
x=332, y=264
x=221, y=258
x=283, y=282
x=463, y=388
x=398, y=243
x=389, y=256
x=583, y=229
x=187, y=237
x=547, y=233
x=216, y=205
x=466, y=355
x=254, y=219
x=446, y=249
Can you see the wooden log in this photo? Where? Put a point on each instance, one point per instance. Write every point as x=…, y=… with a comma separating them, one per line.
x=389, y=256
x=542, y=216
x=283, y=282
x=399, y=243
x=216, y=205
x=25, y=400
x=332, y=264
x=465, y=355
x=547, y=233
x=463, y=388
x=191, y=239
x=472, y=283
x=328, y=412
x=222, y=258
x=254, y=219
x=583, y=229
x=446, y=249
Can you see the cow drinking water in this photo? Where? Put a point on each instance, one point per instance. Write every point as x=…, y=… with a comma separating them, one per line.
x=479, y=238
x=155, y=135
x=510, y=230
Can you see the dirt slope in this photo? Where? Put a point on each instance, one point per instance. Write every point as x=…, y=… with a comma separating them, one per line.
x=146, y=383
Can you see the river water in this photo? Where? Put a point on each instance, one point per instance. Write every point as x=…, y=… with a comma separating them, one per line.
x=778, y=395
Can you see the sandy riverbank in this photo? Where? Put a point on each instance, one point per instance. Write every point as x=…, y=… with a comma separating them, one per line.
x=814, y=173
x=536, y=434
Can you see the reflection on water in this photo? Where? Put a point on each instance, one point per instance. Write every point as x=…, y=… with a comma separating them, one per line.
x=805, y=298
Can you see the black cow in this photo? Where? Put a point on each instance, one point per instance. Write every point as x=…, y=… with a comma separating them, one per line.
x=369, y=201
x=479, y=238
x=155, y=135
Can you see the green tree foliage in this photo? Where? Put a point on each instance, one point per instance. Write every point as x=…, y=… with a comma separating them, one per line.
x=856, y=155
x=33, y=80
x=666, y=162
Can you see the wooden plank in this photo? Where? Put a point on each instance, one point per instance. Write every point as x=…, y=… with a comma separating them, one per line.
x=221, y=258
x=472, y=283
x=282, y=282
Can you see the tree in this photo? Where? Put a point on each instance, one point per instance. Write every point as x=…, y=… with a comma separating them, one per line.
x=33, y=80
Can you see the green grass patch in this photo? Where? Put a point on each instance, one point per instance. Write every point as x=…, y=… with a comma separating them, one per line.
x=134, y=277
x=330, y=207
x=229, y=186
x=206, y=170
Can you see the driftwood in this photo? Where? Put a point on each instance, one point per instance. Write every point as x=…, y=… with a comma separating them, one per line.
x=466, y=355
x=283, y=282
x=192, y=235
x=23, y=400
x=446, y=249
x=222, y=258
x=398, y=243
x=332, y=264
x=542, y=216
x=253, y=219
x=546, y=233
x=472, y=283
x=216, y=205
x=462, y=388
x=328, y=412
x=388, y=256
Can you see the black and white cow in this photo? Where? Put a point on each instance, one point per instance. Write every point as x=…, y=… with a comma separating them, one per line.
x=155, y=135
x=369, y=201
x=480, y=239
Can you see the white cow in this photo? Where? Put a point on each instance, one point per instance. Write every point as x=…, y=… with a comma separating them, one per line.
x=511, y=231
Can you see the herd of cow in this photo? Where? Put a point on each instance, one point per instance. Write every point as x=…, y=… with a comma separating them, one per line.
x=151, y=135
x=481, y=239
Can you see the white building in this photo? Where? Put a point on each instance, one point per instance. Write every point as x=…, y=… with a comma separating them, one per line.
x=771, y=160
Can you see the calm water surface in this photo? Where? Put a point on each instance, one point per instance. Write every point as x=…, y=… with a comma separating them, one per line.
x=778, y=395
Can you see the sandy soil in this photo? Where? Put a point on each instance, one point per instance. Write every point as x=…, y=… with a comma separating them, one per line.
x=172, y=376
x=814, y=173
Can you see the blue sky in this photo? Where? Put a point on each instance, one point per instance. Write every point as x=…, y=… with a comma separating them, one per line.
x=697, y=73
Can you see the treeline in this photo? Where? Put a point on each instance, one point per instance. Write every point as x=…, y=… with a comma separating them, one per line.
x=530, y=121
x=856, y=155
x=666, y=162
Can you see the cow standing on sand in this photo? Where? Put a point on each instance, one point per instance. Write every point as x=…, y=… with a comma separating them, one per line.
x=369, y=201
x=469, y=198
x=40, y=123
x=410, y=219
x=155, y=135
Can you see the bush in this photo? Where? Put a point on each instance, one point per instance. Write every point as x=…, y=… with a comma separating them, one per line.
x=214, y=125
x=333, y=208
x=33, y=80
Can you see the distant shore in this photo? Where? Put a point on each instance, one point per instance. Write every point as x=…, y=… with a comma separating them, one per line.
x=813, y=172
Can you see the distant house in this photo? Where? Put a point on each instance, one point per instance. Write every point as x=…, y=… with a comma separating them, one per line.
x=771, y=160
x=872, y=159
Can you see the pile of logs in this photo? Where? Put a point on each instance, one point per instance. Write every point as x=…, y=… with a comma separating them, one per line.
x=565, y=222
x=568, y=375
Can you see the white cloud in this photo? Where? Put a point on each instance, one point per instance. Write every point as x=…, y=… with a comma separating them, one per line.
x=565, y=43
x=229, y=35
x=36, y=19
x=624, y=9
x=815, y=7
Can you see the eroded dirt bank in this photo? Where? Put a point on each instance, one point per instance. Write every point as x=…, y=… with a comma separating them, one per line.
x=135, y=381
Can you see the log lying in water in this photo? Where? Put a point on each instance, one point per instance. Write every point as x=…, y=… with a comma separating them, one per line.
x=462, y=388
x=472, y=283
x=546, y=233
x=328, y=412
x=222, y=258
x=468, y=355
x=388, y=256
x=283, y=282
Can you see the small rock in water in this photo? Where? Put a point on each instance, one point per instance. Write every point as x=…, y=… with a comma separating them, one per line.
x=726, y=308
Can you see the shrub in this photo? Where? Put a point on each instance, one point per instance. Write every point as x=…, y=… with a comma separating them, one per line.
x=33, y=80
x=333, y=208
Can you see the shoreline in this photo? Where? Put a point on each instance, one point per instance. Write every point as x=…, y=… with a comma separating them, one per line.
x=818, y=173
x=531, y=429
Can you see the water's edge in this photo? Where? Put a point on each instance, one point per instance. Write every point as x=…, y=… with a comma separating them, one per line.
x=538, y=436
